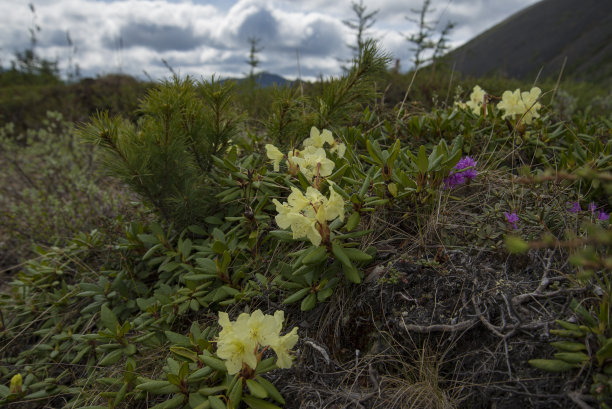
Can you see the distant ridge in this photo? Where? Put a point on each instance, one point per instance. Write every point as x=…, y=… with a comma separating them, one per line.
x=265, y=79
x=541, y=37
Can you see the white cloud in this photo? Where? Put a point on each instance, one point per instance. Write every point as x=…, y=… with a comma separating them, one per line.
x=202, y=37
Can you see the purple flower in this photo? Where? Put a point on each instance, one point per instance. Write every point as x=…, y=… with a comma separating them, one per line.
x=601, y=215
x=470, y=173
x=458, y=178
x=592, y=207
x=512, y=219
x=575, y=207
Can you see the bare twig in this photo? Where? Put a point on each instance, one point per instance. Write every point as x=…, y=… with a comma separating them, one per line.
x=426, y=329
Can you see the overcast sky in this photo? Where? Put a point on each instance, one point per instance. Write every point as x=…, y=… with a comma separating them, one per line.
x=204, y=37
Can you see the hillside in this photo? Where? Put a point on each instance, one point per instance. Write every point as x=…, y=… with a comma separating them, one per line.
x=541, y=37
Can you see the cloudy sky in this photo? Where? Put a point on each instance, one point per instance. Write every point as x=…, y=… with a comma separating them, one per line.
x=204, y=37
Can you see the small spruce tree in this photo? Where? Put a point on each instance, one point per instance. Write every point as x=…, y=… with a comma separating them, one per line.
x=253, y=60
x=360, y=24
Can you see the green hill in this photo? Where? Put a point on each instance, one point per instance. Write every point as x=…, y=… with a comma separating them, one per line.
x=541, y=37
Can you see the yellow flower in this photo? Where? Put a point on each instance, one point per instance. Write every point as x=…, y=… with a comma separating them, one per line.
x=297, y=200
x=275, y=155
x=307, y=214
x=317, y=139
x=235, y=344
x=306, y=227
x=236, y=350
x=461, y=105
x=283, y=346
x=530, y=99
x=264, y=328
x=225, y=324
x=283, y=218
x=314, y=161
x=315, y=200
x=15, y=385
x=522, y=105
x=239, y=342
x=476, y=99
x=339, y=148
x=335, y=204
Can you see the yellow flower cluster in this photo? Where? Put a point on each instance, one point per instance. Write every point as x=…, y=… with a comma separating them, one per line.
x=307, y=215
x=524, y=104
x=312, y=161
x=476, y=101
x=239, y=341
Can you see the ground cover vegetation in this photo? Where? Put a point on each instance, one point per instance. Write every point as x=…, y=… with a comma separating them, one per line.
x=378, y=240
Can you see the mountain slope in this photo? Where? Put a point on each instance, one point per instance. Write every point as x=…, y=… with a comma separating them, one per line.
x=541, y=37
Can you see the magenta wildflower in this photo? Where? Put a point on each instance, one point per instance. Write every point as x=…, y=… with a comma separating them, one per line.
x=601, y=215
x=512, y=219
x=575, y=207
x=592, y=207
x=467, y=166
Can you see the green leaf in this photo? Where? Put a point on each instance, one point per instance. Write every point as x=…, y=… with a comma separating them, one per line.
x=225, y=261
x=567, y=333
x=340, y=191
x=271, y=389
x=572, y=357
x=200, y=374
x=552, y=365
x=324, y=294
x=158, y=387
x=207, y=265
x=216, y=403
x=351, y=274
x=352, y=221
x=364, y=187
x=298, y=295
x=374, y=151
x=569, y=346
x=185, y=247
x=172, y=403
x=207, y=391
x=282, y=235
x=255, y=403
x=568, y=325
x=256, y=389
x=315, y=256
x=169, y=266
x=357, y=255
x=195, y=229
x=121, y=394
x=583, y=313
x=219, y=247
x=421, y=161
x=109, y=319
x=152, y=251
x=111, y=358
x=309, y=302
x=5, y=391
x=235, y=395
x=214, y=363
x=184, y=353
x=340, y=255
x=353, y=235
x=266, y=365
x=196, y=401
x=604, y=352
x=395, y=150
